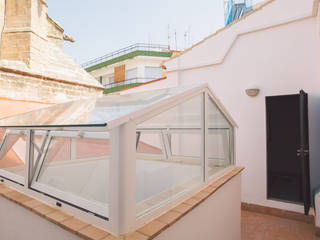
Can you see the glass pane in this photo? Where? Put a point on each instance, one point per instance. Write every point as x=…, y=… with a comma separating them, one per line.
x=13, y=154
x=219, y=140
x=180, y=144
x=94, y=111
x=37, y=141
x=131, y=74
x=153, y=72
x=150, y=143
x=2, y=133
x=158, y=181
x=78, y=166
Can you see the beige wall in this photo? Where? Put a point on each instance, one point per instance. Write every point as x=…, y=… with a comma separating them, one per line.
x=219, y=217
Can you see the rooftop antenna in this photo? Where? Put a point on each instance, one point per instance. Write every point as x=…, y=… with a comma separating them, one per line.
x=169, y=36
x=189, y=37
x=175, y=38
x=185, y=39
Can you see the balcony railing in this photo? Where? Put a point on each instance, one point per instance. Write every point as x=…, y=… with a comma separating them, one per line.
x=127, y=82
x=123, y=51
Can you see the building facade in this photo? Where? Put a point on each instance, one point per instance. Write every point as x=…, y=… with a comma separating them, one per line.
x=138, y=63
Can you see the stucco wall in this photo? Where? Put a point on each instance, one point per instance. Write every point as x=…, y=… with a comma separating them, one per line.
x=17, y=223
x=219, y=217
x=278, y=61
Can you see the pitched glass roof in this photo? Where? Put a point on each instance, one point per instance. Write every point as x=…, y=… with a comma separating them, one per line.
x=95, y=111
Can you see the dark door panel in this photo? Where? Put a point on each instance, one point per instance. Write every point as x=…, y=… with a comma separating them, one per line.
x=303, y=151
x=287, y=130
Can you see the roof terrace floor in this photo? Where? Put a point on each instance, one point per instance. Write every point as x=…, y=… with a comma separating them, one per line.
x=257, y=226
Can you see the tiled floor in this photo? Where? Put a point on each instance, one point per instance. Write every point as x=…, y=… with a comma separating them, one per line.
x=256, y=226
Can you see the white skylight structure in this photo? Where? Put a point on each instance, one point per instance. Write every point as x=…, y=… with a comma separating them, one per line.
x=120, y=160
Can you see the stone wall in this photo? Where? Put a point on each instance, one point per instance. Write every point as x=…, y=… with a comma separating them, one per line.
x=26, y=86
x=31, y=45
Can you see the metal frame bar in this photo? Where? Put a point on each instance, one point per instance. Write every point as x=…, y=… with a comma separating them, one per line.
x=9, y=175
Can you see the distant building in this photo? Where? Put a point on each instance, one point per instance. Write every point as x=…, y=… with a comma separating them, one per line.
x=138, y=63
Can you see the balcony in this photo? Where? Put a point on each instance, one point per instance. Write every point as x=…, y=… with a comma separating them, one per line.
x=121, y=54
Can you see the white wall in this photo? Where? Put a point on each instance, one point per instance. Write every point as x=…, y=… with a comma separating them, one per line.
x=18, y=223
x=219, y=215
x=276, y=49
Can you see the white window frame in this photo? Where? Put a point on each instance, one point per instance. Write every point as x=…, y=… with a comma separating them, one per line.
x=11, y=176
x=97, y=208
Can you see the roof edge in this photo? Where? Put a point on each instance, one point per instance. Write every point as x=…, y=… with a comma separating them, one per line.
x=43, y=77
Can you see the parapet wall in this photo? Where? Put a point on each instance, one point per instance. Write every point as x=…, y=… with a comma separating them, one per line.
x=32, y=87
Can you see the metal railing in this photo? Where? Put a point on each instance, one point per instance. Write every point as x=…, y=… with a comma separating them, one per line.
x=127, y=82
x=123, y=51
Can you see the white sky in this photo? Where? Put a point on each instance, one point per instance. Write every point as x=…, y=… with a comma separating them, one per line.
x=102, y=26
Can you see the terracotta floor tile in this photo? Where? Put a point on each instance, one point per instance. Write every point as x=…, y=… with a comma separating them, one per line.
x=110, y=237
x=153, y=228
x=57, y=216
x=183, y=208
x=18, y=197
x=202, y=195
x=256, y=226
x=4, y=190
x=136, y=236
x=192, y=202
x=93, y=233
x=32, y=204
x=43, y=209
x=170, y=217
x=74, y=224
